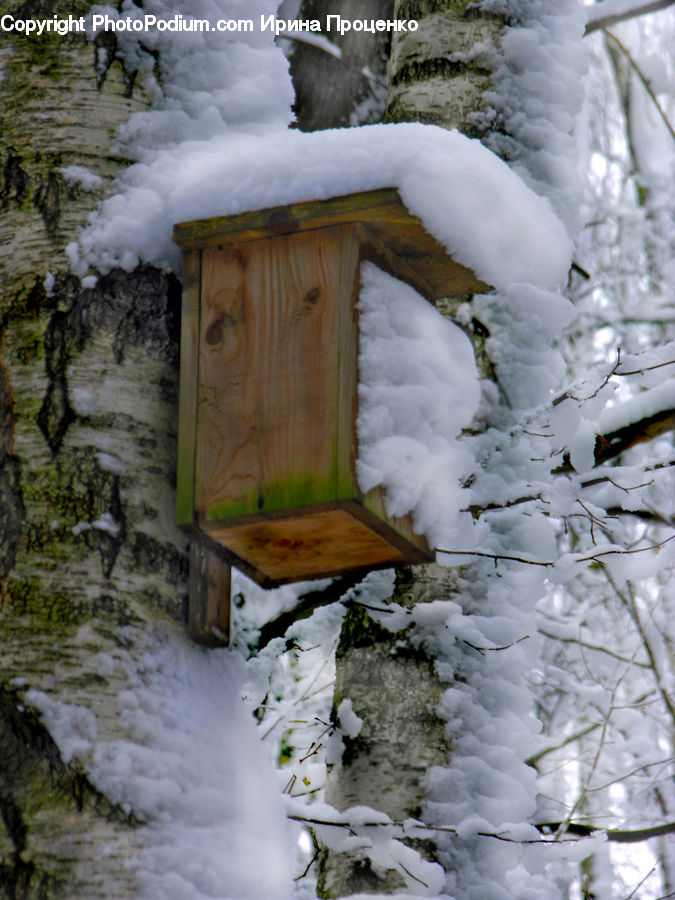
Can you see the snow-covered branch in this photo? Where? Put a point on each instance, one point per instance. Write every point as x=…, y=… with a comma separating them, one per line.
x=610, y=12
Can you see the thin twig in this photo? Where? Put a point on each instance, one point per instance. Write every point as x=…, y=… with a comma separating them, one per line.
x=641, y=882
x=495, y=556
x=414, y=877
x=595, y=647
x=647, y=86
x=571, y=828
x=484, y=650
x=671, y=362
x=532, y=760
x=595, y=556
x=640, y=9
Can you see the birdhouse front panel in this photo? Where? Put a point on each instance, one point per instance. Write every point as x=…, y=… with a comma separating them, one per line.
x=277, y=375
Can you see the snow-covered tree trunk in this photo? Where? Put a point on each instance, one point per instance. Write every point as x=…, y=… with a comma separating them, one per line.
x=441, y=72
x=89, y=555
x=390, y=680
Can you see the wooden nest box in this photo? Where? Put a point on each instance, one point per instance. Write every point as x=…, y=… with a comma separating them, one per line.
x=269, y=379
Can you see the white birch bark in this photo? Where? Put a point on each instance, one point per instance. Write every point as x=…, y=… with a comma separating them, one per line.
x=90, y=556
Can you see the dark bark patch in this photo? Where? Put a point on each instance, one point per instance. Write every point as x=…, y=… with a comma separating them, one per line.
x=111, y=542
x=440, y=67
x=150, y=555
x=329, y=90
x=47, y=199
x=34, y=778
x=14, y=184
x=12, y=509
x=56, y=414
x=12, y=513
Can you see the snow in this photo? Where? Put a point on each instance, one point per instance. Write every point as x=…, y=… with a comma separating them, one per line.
x=644, y=404
x=83, y=177
x=465, y=196
x=209, y=82
x=350, y=723
x=188, y=762
x=418, y=388
x=535, y=102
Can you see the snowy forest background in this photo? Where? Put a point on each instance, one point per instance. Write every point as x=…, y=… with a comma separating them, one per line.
x=128, y=760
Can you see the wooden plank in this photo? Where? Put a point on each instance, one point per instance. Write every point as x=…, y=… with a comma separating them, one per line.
x=371, y=508
x=318, y=541
x=347, y=382
x=374, y=250
x=318, y=545
x=264, y=223
x=271, y=360
x=382, y=211
x=209, y=596
x=187, y=397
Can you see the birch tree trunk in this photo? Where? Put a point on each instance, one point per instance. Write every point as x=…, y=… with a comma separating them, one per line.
x=89, y=556
x=440, y=72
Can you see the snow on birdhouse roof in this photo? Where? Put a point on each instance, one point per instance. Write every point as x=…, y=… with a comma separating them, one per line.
x=466, y=197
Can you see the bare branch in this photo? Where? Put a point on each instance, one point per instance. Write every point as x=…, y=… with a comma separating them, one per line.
x=631, y=606
x=477, y=510
x=596, y=647
x=647, y=515
x=617, y=836
x=596, y=556
x=572, y=828
x=484, y=650
x=640, y=9
x=671, y=362
x=534, y=759
x=614, y=443
x=495, y=556
x=567, y=396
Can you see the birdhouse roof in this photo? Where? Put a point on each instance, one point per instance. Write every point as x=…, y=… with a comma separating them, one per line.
x=386, y=222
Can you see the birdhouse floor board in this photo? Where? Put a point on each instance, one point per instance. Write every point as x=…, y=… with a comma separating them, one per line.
x=315, y=545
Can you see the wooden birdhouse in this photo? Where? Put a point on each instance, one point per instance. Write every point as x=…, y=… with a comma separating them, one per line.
x=268, y=389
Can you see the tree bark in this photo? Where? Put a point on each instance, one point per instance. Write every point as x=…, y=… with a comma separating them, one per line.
x=336, y=93
x=440, y=72
x=90, y=557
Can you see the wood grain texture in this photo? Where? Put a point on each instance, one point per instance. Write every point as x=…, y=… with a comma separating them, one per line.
x=269, y=404
x=209, y=596
x=382, y=211
x=277, y=374
x=187, y=398
x=314, y=545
